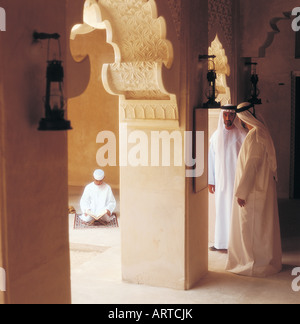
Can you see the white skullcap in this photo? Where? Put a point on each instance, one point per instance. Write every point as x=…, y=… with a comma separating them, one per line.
x=99, y=175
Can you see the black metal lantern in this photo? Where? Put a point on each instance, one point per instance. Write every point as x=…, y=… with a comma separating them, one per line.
x=211, y=92
x=54, y=99
x=255, y=92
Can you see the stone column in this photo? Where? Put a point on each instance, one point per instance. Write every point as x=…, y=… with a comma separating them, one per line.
x=33, y=183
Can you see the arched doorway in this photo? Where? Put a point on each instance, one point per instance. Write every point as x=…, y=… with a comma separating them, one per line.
x=148, y=100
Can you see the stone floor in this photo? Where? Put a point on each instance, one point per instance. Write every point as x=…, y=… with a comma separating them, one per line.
x=96, y=271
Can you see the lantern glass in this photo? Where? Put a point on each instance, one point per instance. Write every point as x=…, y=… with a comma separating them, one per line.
x=255, y=92
x=54, y=99
x=211, y=92
x=57, y=101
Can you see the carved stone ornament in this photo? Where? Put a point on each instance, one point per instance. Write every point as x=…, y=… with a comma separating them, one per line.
x=222, y=69
x=138, y=37
x=176, y=10
x=220, y=14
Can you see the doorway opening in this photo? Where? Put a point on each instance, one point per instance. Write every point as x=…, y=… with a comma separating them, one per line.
x=295, y=138
x=125, y=86
x=93, y=112
x=224, y=96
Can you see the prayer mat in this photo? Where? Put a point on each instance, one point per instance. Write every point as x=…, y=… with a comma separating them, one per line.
x=80, y=224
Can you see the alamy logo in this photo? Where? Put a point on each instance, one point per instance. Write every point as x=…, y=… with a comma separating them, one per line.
x=153, y=149
x=2, y=280
x=296, y=21
x=2, y=19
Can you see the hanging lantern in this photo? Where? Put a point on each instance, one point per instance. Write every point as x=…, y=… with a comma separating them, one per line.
x=54, y=99
x=211, y=92
x=255, y=92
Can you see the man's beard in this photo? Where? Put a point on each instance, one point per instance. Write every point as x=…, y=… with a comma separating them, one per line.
x=228, y=123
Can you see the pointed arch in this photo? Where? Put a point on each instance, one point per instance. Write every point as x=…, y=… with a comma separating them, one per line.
x=271, y=35
x=222, y=69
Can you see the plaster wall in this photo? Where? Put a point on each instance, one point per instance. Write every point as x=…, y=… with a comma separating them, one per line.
x=34, y=196
x=153, y=224
x=275, y=72
x=196, y=33
x=257, y=23
x=92, y=112
x=273, y=48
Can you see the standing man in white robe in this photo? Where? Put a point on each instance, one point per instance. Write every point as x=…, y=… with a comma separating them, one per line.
x=225, y=146
x=255, y=243
x=97, y=202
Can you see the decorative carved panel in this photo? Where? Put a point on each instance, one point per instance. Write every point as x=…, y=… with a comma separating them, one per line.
x=141, y=49
x=176, y=10
x=148, y=110
x=221, y=14
x=223, y=71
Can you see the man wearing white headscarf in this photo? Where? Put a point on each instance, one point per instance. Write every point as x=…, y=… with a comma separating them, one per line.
x=255, y=243
x=225, y=146
x=97, y=202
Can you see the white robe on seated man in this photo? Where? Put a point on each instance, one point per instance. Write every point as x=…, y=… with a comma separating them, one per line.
x=96, y=200
x=255, y=243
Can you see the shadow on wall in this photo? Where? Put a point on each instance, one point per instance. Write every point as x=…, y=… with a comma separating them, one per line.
x=92, y=112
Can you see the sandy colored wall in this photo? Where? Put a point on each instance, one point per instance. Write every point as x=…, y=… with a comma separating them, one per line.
x=276, y=93
x=91, y=112
x=196, y=203
x=34, y=199
x=153, y=226
x=256, y=19
x=274, y=69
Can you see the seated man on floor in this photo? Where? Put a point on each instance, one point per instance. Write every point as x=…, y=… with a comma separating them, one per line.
x=97, y=202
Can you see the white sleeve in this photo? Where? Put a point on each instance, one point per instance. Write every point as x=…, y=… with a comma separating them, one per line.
x=85, y=201
x=247, y=182
x=211, y=163
x=251, y=169
x=111, y=201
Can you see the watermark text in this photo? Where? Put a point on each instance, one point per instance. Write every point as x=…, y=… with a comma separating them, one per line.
x=2, y=19
x=296, y=281
x=296, y=21
x=153, y=148
x=176, y=314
